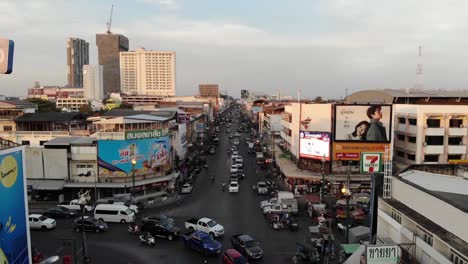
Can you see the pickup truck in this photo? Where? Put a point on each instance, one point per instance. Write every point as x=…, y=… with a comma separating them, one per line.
x=206, y=225
x=286, y=206
x=280, y=196
x=247, y=246
x=202, y=242
x=74, y=205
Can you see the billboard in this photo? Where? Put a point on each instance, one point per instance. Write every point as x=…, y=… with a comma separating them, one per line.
x=316, y=117
x=353, y=150
x=366, y=123
x=182, y=148
x=115, y=156
x=14, y=224
x=314, y=145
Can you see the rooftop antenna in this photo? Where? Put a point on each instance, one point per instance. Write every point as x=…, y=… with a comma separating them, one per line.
x=109, y=24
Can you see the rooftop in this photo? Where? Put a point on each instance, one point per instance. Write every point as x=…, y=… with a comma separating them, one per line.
x=50, y=117
x=18, y=104
x=61, y=141
x=130, y=112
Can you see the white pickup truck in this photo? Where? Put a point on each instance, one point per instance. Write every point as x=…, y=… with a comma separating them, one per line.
x=74, y=205
x=206, y=225
x=276, y=200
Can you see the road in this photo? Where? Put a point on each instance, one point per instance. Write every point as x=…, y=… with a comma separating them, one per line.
x=238, y=213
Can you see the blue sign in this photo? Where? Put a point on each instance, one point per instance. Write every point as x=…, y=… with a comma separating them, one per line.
x=14, y=230
x=256, y=109
x=6, y=56
x=200, y=127
x=115, y=156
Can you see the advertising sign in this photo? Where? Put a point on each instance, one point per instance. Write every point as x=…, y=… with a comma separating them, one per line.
x=353, y=150
x=6, y=56
x=371, y=162
x=183, y=118
x=316, y=117
x=182, y=149
x=141, y=134
x=314, y=145
x=382, y=254
x=14, y=224
x=200, y=127
x=256, y=109
x=115, y=156
x=365, y=123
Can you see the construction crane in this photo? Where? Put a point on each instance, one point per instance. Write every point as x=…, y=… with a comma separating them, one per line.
x=109, y=24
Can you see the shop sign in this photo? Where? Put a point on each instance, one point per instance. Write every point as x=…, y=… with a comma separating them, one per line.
x=371, y=162
x=142, y=134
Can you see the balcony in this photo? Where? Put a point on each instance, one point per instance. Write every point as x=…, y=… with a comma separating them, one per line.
x=458, y=131
x=286, y=124
x=401, y=127
x=434, y=149
x=456, y=149
x=435, y=131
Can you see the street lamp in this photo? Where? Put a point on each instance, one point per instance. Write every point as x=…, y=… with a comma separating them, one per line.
x=346, y=192
x=323, y=178
x=83, y=201
x=133, y=176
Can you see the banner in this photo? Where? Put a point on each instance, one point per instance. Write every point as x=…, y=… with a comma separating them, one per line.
x=115, y=156
x=141, y=134
x=314, y=145
x=14, y=223
x=353, y=150
x=367, y=123
x=316, y=117
x=182, y=148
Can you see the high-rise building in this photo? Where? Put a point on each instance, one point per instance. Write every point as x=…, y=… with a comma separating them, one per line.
x=93, y=82
x=109, y=47
x=77, y=56
x=208, y=90
x=148, y=72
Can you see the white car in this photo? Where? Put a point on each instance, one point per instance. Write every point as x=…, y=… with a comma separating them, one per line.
x=239, y=160
x=38, y=221
x=234, y=187
x=132, y=207
x=235, y=153
x=186, y=188
x=234, y=169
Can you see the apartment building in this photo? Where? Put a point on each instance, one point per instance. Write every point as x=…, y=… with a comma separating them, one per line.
x=54, y=92
x=427, y=214
x=145, y=72
x=93, y=82
x=77, y=57
x=12, y=109
x=70, y=104
x=430, y=133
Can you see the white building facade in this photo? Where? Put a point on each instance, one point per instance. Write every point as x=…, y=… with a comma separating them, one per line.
x=145, y=72
x=93, y=82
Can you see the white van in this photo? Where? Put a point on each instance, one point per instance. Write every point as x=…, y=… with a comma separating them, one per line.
x=114, y=213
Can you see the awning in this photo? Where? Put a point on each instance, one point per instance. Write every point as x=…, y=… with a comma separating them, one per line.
x=350, y=248
x=49, y=185
x=128, y=184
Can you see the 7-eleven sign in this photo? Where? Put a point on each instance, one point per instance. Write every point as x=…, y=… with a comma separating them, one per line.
x=371, y=162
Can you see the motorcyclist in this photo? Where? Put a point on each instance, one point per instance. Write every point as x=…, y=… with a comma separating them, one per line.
x=212, y=179
x=133, y=227
x=224, y=186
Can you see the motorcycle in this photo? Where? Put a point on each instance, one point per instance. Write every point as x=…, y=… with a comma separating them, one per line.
x=306, y=254
x=133, y=229
x=147, y=239
x=223, y=187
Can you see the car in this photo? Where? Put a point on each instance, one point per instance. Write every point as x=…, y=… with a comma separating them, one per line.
x=186, y=188
x=158, y=219
x=235, y=153
x=132, y=207
x=246, y=245
x=75, y=205
x=239, y=160
x=240, y=173
x=202, y=242
x=234, y=187
x=165, y=230
x=262, y=187
x=233, y=168
x=234, y=178
x=212, y=151
x=236, y=142
x=237, y=134
x=38, y=221
x=232, y=256
x=60, y=212
x=231, y=136
x=90, y=224
x=228, y=130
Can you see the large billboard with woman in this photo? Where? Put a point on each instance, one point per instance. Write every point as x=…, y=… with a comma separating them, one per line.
x=365, y=123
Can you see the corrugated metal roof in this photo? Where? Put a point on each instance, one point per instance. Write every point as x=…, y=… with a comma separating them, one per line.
x=50, y=117
x=70, y=141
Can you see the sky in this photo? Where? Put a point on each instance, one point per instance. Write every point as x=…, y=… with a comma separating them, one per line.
x=320, y=47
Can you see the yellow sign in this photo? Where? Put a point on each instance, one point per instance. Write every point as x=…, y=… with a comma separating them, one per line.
x=8, y=171
x=353, y=150
x=459, y=161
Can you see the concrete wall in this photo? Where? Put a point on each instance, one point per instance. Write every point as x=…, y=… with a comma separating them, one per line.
x=46, y=163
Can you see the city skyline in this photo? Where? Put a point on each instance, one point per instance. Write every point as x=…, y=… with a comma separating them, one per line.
x=322, y=48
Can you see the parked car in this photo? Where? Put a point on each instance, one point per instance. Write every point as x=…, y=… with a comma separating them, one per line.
x=233, y=169
x=90, y=224
x=60, y=212
x=232, y=256
x=165, y=230
x=74, y=205
x=246, y=245
x=38, y=221
x=158, y=219
x=234, y=187
x=240, y=173
x=186, y=188
x=262, y=187
x=212, y=151
x=206, y=225
x=202, y=242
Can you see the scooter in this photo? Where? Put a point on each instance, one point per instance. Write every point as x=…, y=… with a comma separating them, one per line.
x=133, y=230
x=147, y=239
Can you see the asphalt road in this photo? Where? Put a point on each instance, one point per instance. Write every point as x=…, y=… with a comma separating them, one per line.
x=238, y=213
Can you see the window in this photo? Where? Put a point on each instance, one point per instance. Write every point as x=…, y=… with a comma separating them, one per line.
x=400, y=154
x=42, y=142
x=7, y=128
x=411, y=139
x=433, y=122
x=402, y=120
x=107, y=212
x=455, y=141
x=457, y=258
x=412, y=121
x=456, y=123
x=401, y=137
x=425, y=236
x=411, y=157
x=454, y=157
x=431, y=158
x=25, y=142
x=396, y=216
x=434, y=140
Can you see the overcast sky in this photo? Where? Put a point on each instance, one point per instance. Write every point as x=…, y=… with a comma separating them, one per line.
x=322, y=47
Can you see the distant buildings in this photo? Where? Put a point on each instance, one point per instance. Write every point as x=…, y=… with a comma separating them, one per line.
x=53, y=92
x=145, y=72
x=77, y=56
x=93, y=85
x=208, y=90
x=109, y=47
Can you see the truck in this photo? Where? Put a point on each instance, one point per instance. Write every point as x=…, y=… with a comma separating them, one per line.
x=201, y=242
x=74, y=205
x=287, y=205
x=260, y=159
x=247, y=246
x=206, y=225
x=278, y=199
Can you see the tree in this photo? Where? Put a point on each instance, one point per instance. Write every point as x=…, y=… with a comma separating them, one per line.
x=86, y=109
x=43, y=105
x=318, y=99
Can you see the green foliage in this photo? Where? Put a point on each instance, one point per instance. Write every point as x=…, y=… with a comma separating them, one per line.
x=43, y=105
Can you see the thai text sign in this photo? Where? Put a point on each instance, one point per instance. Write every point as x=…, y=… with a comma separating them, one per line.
x=353, y=150
x=382, y=254
x=141, y=134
